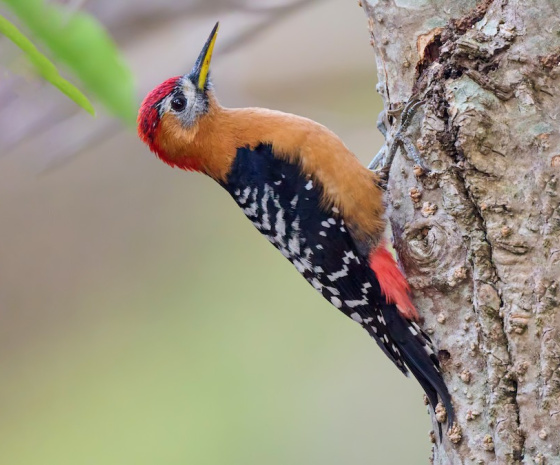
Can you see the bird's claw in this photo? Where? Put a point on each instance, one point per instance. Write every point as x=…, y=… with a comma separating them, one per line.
x=382, y=178
x=382, y=162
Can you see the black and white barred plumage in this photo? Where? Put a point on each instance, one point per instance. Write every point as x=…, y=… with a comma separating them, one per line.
x=285, y=206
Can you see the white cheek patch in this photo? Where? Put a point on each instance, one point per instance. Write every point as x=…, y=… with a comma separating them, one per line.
x=196, y=105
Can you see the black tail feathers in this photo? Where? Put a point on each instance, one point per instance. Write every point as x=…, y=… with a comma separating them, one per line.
x=417, y=352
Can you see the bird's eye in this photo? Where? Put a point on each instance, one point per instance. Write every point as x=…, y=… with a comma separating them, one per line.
x=178, y=103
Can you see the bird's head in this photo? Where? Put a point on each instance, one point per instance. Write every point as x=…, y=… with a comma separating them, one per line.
x=170, y=115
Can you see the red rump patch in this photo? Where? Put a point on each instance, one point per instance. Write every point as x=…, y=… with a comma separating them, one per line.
x=148, y=116
x=392, y=282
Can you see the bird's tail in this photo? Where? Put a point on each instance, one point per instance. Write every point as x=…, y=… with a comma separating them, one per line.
x=417, y=351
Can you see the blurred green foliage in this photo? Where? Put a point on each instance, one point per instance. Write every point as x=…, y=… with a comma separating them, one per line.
x=45, y=67
x=81, y=43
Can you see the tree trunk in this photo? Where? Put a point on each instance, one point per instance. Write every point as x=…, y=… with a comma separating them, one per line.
x=478, y=236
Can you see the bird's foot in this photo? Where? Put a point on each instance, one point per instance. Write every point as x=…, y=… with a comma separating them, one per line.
x=383, y=177
x=382, y=162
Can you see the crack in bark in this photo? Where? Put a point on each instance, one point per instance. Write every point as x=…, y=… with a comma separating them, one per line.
x=510, y=375
x=480, y=260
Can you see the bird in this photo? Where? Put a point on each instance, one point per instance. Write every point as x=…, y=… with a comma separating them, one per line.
x=309, y=195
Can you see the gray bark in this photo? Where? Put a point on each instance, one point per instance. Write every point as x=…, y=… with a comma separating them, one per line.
x=479, y=235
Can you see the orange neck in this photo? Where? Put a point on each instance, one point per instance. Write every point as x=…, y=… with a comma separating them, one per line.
x=211, y=147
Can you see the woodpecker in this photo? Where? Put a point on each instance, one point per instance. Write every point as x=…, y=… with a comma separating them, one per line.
x=308, y=195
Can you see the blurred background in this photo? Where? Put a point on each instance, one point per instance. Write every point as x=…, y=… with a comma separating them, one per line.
x=142, y=318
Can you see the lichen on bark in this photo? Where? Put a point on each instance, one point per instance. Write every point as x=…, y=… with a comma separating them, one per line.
x=479, y=236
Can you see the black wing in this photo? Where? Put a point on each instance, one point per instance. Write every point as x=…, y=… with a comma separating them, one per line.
x=285, y=205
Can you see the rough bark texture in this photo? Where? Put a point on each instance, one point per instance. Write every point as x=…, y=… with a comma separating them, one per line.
x=479, y=236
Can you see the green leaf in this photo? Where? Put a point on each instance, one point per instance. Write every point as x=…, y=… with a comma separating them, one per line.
x=43, y=65
x=84, y=46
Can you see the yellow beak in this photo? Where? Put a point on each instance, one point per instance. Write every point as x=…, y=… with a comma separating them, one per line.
x=199, y=73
